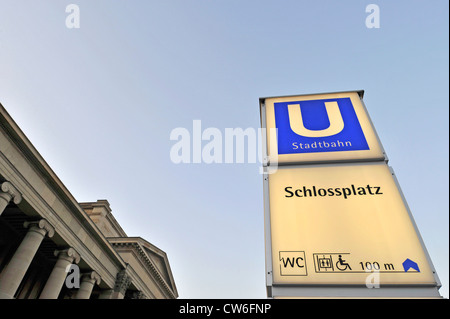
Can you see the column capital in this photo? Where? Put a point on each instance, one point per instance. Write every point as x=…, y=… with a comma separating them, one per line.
x=123, y=281
x=91, y=276
x=15, y=270
x=8, y=188
x=69, y=254
x=138, y=295
x=56, y=279
x=41, y=224
x=88, y=280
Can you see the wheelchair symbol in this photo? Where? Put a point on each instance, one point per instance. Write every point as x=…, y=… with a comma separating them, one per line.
x=342, y=265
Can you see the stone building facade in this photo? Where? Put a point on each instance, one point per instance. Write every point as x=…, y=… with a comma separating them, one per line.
x=45, y=235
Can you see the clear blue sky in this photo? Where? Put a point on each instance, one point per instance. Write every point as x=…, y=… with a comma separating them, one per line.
x=99, y=103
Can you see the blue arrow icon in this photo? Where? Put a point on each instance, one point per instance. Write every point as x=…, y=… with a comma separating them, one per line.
x=408, y=263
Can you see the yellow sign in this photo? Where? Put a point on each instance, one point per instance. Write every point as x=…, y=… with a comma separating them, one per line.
x=341, y=224
x=319, y=128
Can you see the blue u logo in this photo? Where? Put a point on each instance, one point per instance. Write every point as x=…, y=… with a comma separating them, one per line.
x=334, y=117
x=328, y=125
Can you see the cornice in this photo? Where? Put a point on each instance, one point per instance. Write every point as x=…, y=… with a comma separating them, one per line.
x=38, y=163
x=146, y=261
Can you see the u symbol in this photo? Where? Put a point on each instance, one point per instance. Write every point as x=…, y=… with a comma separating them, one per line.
x=334, y=116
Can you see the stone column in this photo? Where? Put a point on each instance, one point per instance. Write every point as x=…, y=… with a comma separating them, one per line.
x=13, y=273
x=7, y=193
x=123, y=281
x=56, y=280
x=87, y=284
x=106, y=294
